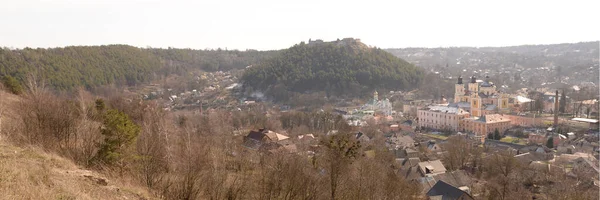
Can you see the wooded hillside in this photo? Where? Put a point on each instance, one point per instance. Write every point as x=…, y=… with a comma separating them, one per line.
x=341, y=70
x=90, y=66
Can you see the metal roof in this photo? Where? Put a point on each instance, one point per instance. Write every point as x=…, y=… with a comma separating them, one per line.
x=585, y=120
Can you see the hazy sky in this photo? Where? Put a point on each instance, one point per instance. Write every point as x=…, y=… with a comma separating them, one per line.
x=277, y=24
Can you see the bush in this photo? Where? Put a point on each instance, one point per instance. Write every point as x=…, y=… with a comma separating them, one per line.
x=12, y=85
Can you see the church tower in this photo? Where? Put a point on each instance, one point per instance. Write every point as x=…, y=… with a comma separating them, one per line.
x=473, y=86
x=459, y=90
x=476, y=106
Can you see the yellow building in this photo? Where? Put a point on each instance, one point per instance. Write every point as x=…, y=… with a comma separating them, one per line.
x=481, y=97
x=482, y=126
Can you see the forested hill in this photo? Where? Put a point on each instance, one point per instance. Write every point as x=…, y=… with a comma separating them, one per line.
x=337, y=68
x=90, y=66
x=65, y=68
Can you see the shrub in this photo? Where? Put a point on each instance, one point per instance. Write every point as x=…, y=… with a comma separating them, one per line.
x=12, y=85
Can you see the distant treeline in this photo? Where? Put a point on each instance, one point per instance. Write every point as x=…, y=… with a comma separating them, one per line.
x=90, y=66
x=335, y=69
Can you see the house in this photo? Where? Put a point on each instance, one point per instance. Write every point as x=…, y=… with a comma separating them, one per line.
x=400, y=142
x=431, y=168
x=407, y=125
x=263, y=139
x=459, y=179
x=276, y=137
x=394, y=127
x=431, y=145
x=362, y=137
x=409, y=168
x=593, y=123
x=444, y=191
x=255, y=139
x=406, y=153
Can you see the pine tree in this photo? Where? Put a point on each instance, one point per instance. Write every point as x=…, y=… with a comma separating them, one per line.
x=119, y=132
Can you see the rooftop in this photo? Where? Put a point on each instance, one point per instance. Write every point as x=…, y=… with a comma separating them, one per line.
x=446, y=109
x=447, y=191
x=432, y=167
x=492, y=118
x=522, y=99
x=585, y=120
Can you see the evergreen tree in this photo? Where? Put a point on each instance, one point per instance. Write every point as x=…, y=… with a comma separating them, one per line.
x=563, y=102
x=497, y=135
x=119, y=133
x=12, y=85
x=550, y=142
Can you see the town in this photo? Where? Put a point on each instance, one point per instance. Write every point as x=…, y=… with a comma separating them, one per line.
x=559, y=134
x=407, y=100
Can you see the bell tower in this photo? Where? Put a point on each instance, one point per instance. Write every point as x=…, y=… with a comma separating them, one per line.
x=473, y=86
x=459, y=90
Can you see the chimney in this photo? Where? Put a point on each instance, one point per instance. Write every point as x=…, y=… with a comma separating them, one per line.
x=556, y=109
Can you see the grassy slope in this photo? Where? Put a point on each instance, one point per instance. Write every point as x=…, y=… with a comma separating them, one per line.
x=30, y=173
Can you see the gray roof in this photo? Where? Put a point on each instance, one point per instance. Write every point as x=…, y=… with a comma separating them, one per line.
x=447, y=191
x=409, y=169
x=490, y=107
x=456, y=178
x=486, y=84
x=436, y=164
x=461, y=104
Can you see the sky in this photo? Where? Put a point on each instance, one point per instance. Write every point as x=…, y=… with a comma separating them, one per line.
x=276, y=24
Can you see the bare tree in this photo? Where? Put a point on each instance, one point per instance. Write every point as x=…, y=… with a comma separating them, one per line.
x=458, y=152
x=340, y=151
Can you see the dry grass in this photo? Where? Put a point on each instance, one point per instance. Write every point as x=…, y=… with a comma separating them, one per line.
x=29, y=173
